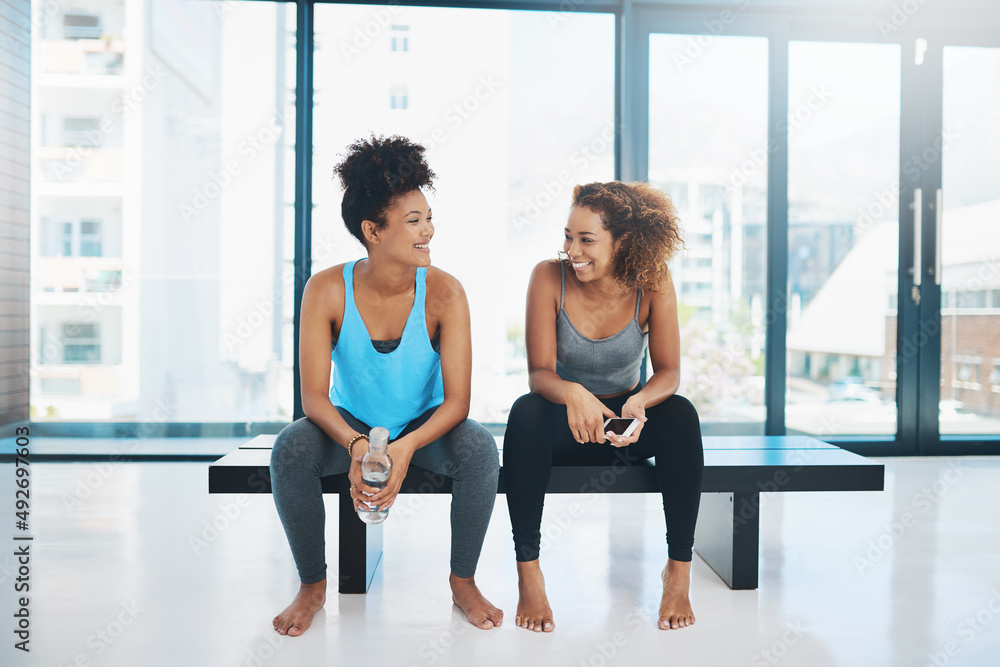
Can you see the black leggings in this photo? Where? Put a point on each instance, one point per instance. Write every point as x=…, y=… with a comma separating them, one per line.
x=538, y=437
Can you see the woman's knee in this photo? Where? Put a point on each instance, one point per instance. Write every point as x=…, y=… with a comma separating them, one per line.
x=298, y=446
x=476, y=446
x=675, y=427
x=528, y=416
x=527, y=408
x=682, y=411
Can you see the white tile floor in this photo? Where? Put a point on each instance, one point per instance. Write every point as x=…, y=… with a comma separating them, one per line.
x=127, y=570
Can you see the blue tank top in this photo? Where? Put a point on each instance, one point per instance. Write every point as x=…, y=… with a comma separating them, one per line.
x=604, y=366
x=385, y=389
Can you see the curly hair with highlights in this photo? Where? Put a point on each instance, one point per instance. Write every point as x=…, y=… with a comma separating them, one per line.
x=644, y=224
x=375, y=173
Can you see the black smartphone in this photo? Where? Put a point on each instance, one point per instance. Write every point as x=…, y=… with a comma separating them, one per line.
x=623, y=426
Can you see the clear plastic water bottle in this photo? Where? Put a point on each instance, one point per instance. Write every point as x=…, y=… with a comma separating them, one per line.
x=375, y=469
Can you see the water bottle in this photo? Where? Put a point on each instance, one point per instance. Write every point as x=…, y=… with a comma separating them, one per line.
x=375, y=468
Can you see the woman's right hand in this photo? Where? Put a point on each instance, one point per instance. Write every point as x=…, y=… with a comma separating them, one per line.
x=586, y=415
x=359, y=489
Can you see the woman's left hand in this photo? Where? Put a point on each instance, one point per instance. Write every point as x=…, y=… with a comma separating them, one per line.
x=634, y=407
x=400, y=452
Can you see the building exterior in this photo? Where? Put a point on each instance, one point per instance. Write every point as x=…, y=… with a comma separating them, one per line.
x=848, y=331
x=143, y=226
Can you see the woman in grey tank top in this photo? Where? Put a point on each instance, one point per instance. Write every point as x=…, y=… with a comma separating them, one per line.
x=589, y=319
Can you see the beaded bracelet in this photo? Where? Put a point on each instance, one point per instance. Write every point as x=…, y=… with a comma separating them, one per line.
x=354, y=440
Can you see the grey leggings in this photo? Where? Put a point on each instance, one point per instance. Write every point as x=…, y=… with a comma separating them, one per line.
x=303, y=453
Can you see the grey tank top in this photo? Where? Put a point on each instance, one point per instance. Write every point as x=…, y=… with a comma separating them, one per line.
x=605, y=366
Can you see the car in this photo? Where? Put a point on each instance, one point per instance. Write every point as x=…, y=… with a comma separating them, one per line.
x=852, y=388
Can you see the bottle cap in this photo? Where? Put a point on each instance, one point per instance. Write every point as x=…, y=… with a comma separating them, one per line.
x=378, y=437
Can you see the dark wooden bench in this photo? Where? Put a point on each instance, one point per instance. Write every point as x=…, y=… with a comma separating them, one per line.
x=737, y=470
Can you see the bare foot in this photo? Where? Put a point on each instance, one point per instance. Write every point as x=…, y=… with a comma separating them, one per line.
x=533, y=611
x=297, y=617
x=675, y=607
x=480, y=611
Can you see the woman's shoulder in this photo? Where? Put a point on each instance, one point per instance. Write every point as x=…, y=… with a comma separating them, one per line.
x=664, y=292
x=328, y=283
x=331, y=274
x=545, y=284
x=442, y=282
x=661, y=300
x=547, y=273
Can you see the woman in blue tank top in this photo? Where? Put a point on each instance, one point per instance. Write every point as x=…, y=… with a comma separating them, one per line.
x=401, y=358
x=589, y=318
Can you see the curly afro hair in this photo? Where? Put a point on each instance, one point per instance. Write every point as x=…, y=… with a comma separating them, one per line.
x=375, y=174
x=644, y=222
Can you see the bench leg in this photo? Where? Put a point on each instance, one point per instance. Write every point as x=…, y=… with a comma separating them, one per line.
x=728, y=536
x=360, y=549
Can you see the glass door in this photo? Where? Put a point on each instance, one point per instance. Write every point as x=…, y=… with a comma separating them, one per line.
x=970, y=243
x=843, y=237
x=960, y=263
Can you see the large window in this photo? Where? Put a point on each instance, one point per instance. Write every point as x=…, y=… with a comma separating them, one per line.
x=161, y=197
x=524, y=114
x=811, y=171
x=843, y=238
x=708, y=151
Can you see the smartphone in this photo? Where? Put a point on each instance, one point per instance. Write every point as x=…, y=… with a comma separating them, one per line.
x=623, y=426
